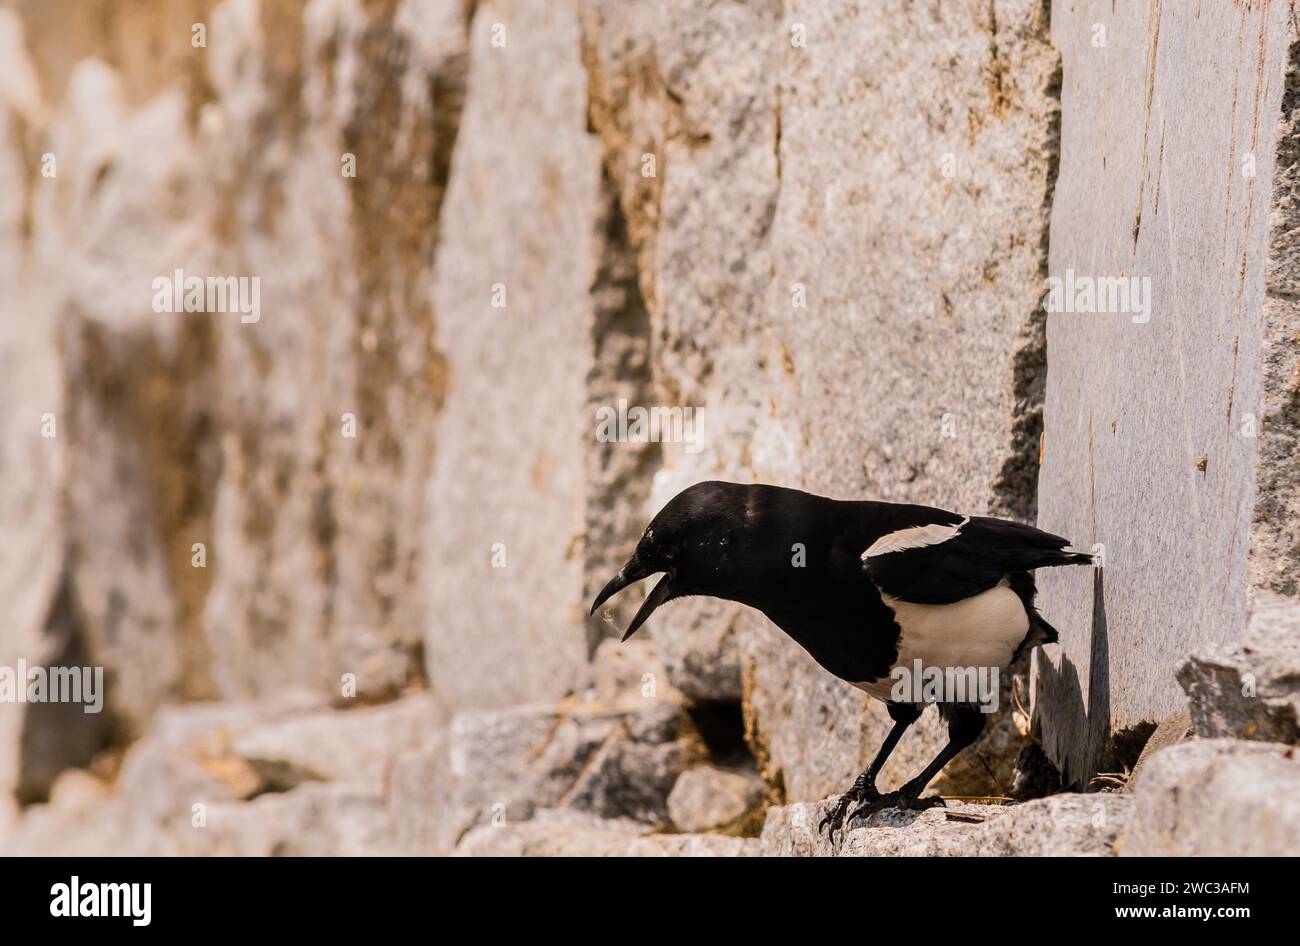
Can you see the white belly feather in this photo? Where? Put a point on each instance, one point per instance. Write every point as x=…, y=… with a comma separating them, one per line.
x=983, y=631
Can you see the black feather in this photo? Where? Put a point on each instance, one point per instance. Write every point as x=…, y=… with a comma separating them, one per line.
x=984, y=552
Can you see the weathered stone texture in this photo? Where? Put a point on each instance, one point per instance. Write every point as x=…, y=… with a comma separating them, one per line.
x=502, y=766
x=1217, y=797
x=691, y=89
x=31, y=556
x=824, y=225
x=555, y=835
x=708, y=798
x=287, y=776
x=331, y=574
x=507, y=510
x=789, y=175
x=1274, y=561
x=1063, y=825
x=178, y=429
x=1250, y=690
x=331, y=555
x=1150, y=450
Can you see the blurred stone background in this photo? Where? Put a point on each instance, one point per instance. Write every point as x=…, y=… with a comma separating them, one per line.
x=828, y=225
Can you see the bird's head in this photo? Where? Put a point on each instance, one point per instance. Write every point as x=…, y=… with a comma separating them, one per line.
x=693, y=542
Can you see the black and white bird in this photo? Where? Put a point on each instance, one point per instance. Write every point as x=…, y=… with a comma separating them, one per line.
x=864, y=587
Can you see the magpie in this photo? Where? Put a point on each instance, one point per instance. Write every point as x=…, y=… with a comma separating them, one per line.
x=868, y=589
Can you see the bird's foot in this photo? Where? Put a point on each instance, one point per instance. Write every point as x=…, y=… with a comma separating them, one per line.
x=879, y=803
x=834, y=820
x=901, y=799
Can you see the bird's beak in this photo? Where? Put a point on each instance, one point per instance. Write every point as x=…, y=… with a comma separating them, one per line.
x=628, y=574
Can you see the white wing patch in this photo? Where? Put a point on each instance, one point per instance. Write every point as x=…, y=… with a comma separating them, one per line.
x=917, y=537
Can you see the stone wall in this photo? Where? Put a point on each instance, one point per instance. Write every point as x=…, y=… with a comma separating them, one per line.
x=1156, y=433
x=336, y=562
x=176, y=439
x=822, y=276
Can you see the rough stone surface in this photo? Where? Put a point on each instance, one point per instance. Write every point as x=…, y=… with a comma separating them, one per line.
x=707, y=798
x=822, y=225
x=627, y=673
x=336, y=520
x=354, y=746
x=419, y=785
x=1274, y=561
x=1172, y=730
x=556, y=834
x=693, y=845
x=1150, y=448
x=501, y=766
x=559, y=836
x=1217, y=797
x=1250, y=690
x=32, y=555
x=289, y=776
x=176, y=430
x=313, y=820
x=771, y=211
x=507, y=511
x=1063, y=825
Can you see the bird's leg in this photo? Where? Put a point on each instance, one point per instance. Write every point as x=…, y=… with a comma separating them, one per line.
x=965, y=723
x=864, y=786
x=863, y=789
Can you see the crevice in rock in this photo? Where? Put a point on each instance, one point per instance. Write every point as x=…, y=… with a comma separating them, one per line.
x=619, y=475
x=1036, y=776
x=186, y=463
x=1127, y=745
x=776, y=142
x=277, y=776
x=721, y=725
x=620, y=84
x=403, y=147
x=61, y=735
x=29, y=149
x=154, y=406
x=1274, y=558
x=1015, y=487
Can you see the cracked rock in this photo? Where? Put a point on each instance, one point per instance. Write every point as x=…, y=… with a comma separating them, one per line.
x=569, y=834
x=1250, y=690
x=1065, y=824
x=708, y=798
x=1221, y=797
x=502, y=766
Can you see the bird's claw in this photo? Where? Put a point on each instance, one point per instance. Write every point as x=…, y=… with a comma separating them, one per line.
x=834, y=819
x=899, y=800
x=874, y=805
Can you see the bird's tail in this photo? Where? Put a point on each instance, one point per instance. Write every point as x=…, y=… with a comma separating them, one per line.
x=1018, y=547
x=1076, y=557
x=1050, y=558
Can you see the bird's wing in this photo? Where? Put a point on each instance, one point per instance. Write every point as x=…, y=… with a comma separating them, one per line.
x=940, y=563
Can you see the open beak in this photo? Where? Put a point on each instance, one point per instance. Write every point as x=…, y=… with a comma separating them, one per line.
x=628, y=574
